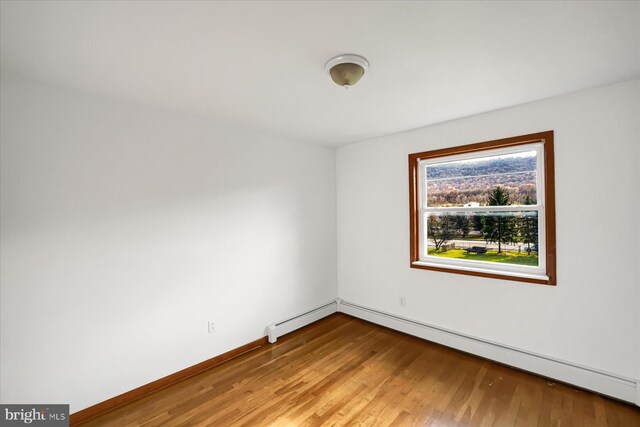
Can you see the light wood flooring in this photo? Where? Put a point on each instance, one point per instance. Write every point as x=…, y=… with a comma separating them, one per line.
x=347, y=372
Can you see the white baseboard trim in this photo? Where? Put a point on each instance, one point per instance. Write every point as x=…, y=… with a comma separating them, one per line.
x=283, y=327
x=593, y=379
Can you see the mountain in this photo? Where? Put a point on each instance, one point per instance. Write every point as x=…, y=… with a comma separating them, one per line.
x=458, y=183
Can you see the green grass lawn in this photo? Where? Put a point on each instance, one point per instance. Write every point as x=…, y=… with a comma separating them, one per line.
x=492, y=256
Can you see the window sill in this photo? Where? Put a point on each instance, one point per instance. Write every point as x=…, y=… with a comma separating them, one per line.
x=485, y=272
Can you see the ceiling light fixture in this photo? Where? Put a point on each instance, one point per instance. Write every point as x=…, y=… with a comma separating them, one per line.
x=346, y=69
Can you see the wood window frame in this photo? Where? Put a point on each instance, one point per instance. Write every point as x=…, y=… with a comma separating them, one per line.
x=544, y=138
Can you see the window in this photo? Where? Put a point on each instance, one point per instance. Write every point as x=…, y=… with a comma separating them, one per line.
x=486, y=209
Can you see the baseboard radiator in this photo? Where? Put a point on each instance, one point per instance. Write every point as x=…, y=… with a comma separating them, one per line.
x=283, y=327
x=599, y=381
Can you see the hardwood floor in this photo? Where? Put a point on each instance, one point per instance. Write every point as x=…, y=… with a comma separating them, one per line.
x=344, y=371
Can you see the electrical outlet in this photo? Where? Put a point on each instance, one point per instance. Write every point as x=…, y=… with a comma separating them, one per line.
x=212, y=327
x=403, y=301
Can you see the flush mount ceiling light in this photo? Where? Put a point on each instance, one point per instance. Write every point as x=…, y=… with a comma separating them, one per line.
x=346, y=69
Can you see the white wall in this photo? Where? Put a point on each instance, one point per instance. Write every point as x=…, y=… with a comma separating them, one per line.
x=592, y=316
x=126, y=228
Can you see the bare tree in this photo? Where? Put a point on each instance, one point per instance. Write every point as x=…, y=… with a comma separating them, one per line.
x=441, y=228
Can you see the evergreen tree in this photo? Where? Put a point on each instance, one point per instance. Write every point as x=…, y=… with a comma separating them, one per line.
x=476, y=223
x=499, y=227
x=528, y=227
x=463, y=225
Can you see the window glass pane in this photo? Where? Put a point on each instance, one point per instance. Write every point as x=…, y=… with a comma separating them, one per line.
x=474, y=182
x=498, y=237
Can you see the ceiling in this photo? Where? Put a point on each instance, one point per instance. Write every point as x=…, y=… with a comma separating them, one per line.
x=260, y=64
